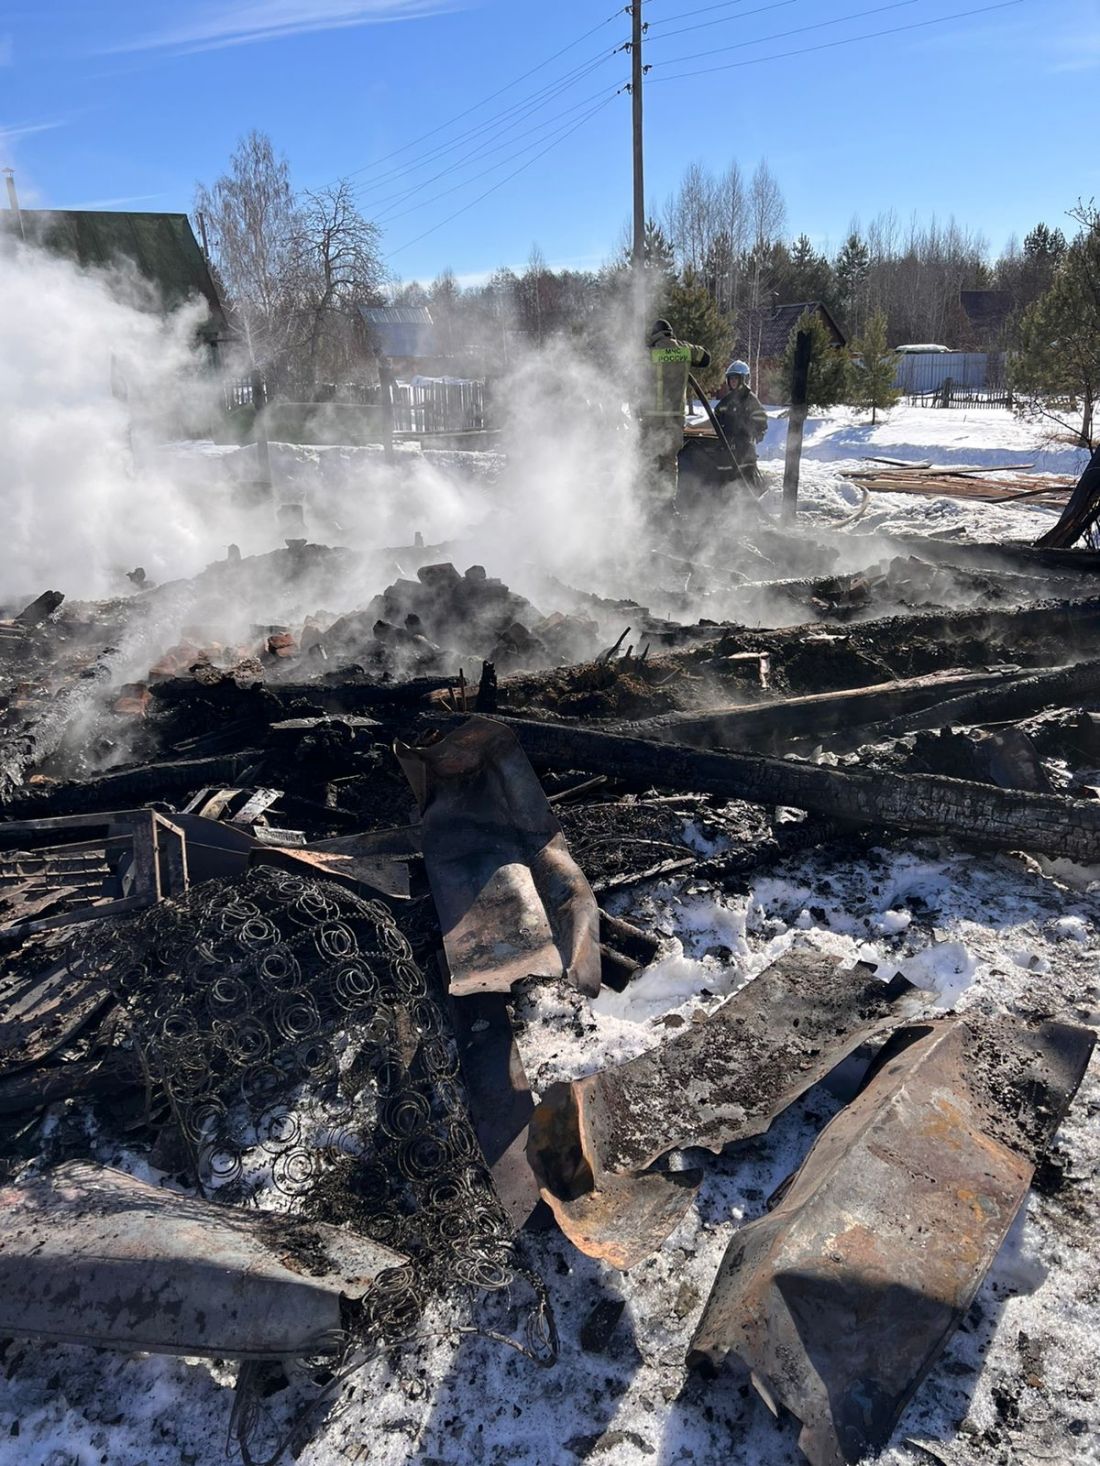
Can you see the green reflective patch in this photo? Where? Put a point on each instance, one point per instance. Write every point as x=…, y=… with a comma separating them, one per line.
x=670, y=353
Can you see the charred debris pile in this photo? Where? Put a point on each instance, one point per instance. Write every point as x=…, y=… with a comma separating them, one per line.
x=267, y=907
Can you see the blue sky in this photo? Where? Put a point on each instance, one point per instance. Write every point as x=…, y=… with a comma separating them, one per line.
x=127, y=103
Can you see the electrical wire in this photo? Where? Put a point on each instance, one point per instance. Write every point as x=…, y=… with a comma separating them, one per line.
x=816, y=25
x=517, y=114
x=831, y=45
x=703, y=10
x=388, y=216
x=482, y=151
x=484, y=101
x=706, y=24
x=515, y=174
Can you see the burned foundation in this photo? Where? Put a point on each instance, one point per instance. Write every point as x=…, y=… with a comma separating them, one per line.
x=310, y=929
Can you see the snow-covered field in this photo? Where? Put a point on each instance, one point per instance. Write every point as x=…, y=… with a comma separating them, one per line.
x=838, y=443
x=1016, y=1385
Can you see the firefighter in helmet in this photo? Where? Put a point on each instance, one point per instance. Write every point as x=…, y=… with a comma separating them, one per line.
x=743, y=420
x=662, y=414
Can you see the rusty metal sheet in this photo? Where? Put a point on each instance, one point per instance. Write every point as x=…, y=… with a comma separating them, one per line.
x=500, y=1099
x=512, y=902
x=840, y=1300
x=39, y=1014
x=722, y=1079
x=90, y=1255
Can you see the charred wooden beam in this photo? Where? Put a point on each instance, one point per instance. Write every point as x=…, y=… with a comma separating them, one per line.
x=1017, y=697
x=146, y=782
x=757, y=725
x=997, y=819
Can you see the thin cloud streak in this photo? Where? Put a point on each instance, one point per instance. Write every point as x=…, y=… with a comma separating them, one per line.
x=1085, y=55
x=9, y=132
x=92, y=204
x=218, y=27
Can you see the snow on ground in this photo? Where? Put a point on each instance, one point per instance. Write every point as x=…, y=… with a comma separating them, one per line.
x=1016, y=1383
x=991, y=438
x=838, y=444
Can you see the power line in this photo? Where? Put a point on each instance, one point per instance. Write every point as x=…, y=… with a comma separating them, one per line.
x=830, y=45
x=704, y=24
x=484, y=100
x=505, y=119
x=482, y=149
x=683, y=14
x=388, y=216
x=817, y=25
x=515, y=174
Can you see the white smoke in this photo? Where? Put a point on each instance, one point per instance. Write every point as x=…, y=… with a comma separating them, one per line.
x=77, y=509
x=97, y=390
x=106, y=464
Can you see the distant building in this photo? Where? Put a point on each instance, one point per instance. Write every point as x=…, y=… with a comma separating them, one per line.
x=162, y=247
x=404, y=334
x=763, y=333
x=987, y=315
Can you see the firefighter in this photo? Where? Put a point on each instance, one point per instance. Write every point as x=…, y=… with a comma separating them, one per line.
x=743, y=420
x=662, y=416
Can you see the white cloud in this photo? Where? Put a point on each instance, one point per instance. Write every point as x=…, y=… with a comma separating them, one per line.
x=11, y=132
x=1080, y=53
x=214, y=27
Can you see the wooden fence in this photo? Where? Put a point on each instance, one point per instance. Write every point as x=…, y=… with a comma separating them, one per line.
x=430, y=405
x=439, y=405
x=951, y=396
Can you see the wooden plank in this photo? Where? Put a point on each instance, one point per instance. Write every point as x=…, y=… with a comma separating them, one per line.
x=171, y=847
x=145, y=873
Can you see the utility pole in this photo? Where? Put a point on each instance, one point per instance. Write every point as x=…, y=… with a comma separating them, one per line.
x=636, y=100
x=637, y=71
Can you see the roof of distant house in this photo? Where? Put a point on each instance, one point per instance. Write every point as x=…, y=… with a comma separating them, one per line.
x=162, y=246
x=765, y=330
x=986, y=310
x=401, y=330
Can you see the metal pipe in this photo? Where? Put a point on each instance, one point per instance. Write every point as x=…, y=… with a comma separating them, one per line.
x=13, y=201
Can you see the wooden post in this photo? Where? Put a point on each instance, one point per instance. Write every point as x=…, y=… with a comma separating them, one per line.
x=796, y=422
x=259, y=428
x=385, y=397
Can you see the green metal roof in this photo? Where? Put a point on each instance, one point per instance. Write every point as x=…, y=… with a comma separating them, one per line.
x=162, y=246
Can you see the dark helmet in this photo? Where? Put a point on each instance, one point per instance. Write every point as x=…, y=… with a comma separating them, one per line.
x=661, y=328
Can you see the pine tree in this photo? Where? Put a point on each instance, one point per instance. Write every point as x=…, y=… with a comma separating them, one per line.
x=828, y=383
x=852, y=268
x=874, y=368
x=688, y=306
x=1057, y=366
x=810, y=275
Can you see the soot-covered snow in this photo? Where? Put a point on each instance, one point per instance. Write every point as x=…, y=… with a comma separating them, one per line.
x=1016, y=1383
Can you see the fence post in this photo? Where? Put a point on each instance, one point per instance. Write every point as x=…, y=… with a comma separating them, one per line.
x=796, y=422
x=259, y=429
x=385, y=397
